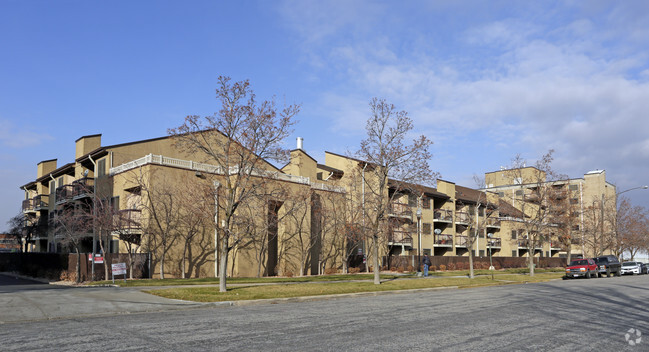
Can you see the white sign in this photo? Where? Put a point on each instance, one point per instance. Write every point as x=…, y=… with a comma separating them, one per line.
x=119, y=269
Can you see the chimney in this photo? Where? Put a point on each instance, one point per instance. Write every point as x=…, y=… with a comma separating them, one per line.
x=300, y=142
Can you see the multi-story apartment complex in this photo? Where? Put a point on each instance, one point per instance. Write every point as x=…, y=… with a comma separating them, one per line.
x=162, y=199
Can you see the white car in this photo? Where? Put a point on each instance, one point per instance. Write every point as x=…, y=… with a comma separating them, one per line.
x=634, y=268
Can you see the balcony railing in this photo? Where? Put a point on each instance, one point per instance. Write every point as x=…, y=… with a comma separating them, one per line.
x=400, y=237
x=443, y=240
x=493, y=222
x=494, y=242
x=443, y=215
x=524, y=243
x=83, y=187
x=401, y=210
x=460, y=241
x=462, y=217
x=41, y=201
x=64, y=193
x=127, y=220
x=28, y=205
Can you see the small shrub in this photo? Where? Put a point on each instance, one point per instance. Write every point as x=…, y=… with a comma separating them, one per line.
x=442, y=267
x=400, y=269
x=410, y=268
x=432, y=268
x=461, y=266
x=329, y=271
x=394, y=268
x=68, y=275
x=450, y=266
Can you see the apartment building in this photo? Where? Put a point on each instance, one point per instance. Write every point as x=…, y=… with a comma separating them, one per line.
x=576, y=209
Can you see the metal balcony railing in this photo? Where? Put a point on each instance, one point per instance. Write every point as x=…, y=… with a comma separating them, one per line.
x=28, y=205
x=83, y=187
x=401, y=210
x=460, y=241
x=64, y=193
x=493, y=222
x=127, y=219
x=41, y=201
x=443, y=240
x=462, y=217
x=443, y=215
x=400, y=237
x=494, y=242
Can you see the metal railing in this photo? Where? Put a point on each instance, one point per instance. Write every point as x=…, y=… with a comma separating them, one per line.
x=494, y=242
x=400, y=209
x=443, y=240
x=443, y=215
x=400, y=237
x=64, y=193
x=493, y=222
x=460, y=241
x=462, y=217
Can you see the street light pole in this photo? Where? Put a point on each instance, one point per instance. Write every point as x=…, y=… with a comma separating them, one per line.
x=419, y=236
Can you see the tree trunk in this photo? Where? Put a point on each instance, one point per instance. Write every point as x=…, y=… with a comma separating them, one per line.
x=223, y=263
x=183, y=260
x=531, y=261
x=471, y=264
x=162, y=265
x=377, y=268
x=78, y=269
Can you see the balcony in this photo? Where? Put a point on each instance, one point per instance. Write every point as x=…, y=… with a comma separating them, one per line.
x=400, y=210
x=83, y=187
x=400, y=237
x=64, y=194
x=443, y=240
x=462, y=218
x=493, y=223
x=127, y=221
x=494, y=242
x=460, y=241
x=443, y=215
x=41, y=201
x=524, y=243
x=28, y=206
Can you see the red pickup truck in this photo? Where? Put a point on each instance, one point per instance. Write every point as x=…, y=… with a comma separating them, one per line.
x=581, y=267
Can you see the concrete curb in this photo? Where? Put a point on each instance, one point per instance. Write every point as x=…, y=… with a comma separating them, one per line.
x=256, y=302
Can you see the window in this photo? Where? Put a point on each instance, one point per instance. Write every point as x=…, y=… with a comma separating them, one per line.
x=52, y=187
x=573, y=187
x=114, y=202
x=412, y=200
x=481, y=252
x=318, y=176
x=425, y=203
x=514, y=253
x=501, y=194
x=101, y=168
x=513, y=234
x=427, y=251
x=575, y=227
x=519, y=192
x=426, y=228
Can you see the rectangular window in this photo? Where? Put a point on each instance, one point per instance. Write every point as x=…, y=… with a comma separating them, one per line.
x=427, y=251
x=59, y=182
x=114, y=203
x=52, y=187
x=318, y=176
x=514, y=253
x=574, y=187
x=575, y=227
x=101, y=168
x=426, y=228
x=501, y=194
x=412, y=200
x=513, y=234
x=519, y=192
x=481, y=252
x=425, y=203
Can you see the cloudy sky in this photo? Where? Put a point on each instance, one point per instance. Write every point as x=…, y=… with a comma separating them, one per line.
x=485, y=80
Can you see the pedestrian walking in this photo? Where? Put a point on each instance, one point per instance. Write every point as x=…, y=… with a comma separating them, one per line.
x=426, y=265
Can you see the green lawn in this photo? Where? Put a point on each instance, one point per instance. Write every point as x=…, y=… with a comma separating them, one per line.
x=306, y=279
x=212, y=294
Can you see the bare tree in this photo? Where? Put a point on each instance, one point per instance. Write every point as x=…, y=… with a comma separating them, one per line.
x=19, y=227
x=389, y=155
x=565, y=217
x=238, y=139
x=632, y=229
x=534, y=198
x=71, y=227
x=480, y=211
x=598, y=228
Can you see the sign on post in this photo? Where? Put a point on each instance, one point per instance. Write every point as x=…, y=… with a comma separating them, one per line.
x=119, y=269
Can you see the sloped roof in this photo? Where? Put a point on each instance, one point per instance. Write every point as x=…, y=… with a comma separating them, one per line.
x=429, y=191
x=507, y=210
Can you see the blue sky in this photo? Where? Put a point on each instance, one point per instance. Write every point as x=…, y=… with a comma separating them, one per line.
x=485, y=80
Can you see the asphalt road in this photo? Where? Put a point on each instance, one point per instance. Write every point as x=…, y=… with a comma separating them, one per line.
x=573, y=315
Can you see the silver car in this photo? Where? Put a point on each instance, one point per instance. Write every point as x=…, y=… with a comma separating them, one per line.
x=634, y=268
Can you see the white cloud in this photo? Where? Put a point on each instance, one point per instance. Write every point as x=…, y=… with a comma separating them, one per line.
x=17, y=137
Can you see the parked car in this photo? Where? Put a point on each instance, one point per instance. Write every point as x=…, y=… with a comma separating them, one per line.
x=609, y=264
x=634, y=268
x=581, y=268
x=645, y=268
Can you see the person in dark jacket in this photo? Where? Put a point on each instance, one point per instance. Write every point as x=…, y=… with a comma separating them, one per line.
x=426, y=263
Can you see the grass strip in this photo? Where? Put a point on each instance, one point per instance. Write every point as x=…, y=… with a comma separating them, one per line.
x=317, y=278
x=212, y=294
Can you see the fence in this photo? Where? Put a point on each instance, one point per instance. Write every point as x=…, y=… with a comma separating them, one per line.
x=52, y=265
